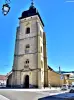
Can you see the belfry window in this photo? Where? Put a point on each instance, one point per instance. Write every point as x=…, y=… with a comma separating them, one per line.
x=27, y=30
x=27, y=48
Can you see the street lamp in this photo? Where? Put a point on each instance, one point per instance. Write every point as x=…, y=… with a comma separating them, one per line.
x=6, y=7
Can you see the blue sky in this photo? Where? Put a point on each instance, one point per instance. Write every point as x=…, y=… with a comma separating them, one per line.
x=58, y=17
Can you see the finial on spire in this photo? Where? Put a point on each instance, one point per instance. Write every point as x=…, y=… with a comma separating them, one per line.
x=32, y=2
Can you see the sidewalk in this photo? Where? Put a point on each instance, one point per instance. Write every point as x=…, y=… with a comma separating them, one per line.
x=3, y=98
x=34, y=90
x=42, y=89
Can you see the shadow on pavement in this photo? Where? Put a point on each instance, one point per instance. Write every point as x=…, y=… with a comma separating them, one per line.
x=62, y=96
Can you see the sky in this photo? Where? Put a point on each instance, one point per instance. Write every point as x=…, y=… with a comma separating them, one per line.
x=58, y=17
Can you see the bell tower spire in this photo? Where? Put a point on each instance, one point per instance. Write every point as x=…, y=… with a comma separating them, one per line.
x=32, y=11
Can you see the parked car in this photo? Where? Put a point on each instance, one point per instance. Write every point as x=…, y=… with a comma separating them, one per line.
x=72, y=89
x=65, y=87
x=69, y=86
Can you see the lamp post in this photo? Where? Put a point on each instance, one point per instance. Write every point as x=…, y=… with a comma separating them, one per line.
x=61, y=76
x=6, y=7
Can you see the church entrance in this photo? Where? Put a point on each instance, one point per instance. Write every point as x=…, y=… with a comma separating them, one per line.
x=26, y=81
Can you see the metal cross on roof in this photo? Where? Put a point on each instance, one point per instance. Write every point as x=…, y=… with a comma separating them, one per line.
x=32, y=2
x=7, y=1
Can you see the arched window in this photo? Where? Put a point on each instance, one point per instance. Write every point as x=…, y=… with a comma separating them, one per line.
x=27, y=48
x=27, y=30
x=27, y=61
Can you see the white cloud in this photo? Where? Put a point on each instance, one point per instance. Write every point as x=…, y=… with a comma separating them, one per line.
x=69, y=1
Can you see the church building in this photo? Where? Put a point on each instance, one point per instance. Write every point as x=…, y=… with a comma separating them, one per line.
x=30, y=69
x=30, y=60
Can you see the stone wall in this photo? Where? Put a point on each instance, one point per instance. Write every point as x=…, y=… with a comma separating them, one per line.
x=54, y=78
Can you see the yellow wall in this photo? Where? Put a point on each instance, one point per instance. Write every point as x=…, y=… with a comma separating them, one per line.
x=54, y=78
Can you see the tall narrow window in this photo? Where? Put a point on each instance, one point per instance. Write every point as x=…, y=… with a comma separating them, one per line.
x=41, y=64
x=27, y=48
x=27, y=30
x=41, y=49
x=40, y=33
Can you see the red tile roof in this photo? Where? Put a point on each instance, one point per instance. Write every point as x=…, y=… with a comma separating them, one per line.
x=3, y=77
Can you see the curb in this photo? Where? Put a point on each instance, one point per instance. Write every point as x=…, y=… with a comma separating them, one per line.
x=32, y=90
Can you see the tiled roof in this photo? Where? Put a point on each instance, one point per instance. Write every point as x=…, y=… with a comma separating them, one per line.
x=50, y=68
x=3, y=77
x=9, y=73
x=31, y=12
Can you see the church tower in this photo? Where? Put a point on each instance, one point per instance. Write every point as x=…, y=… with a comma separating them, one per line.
x=29, y=63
